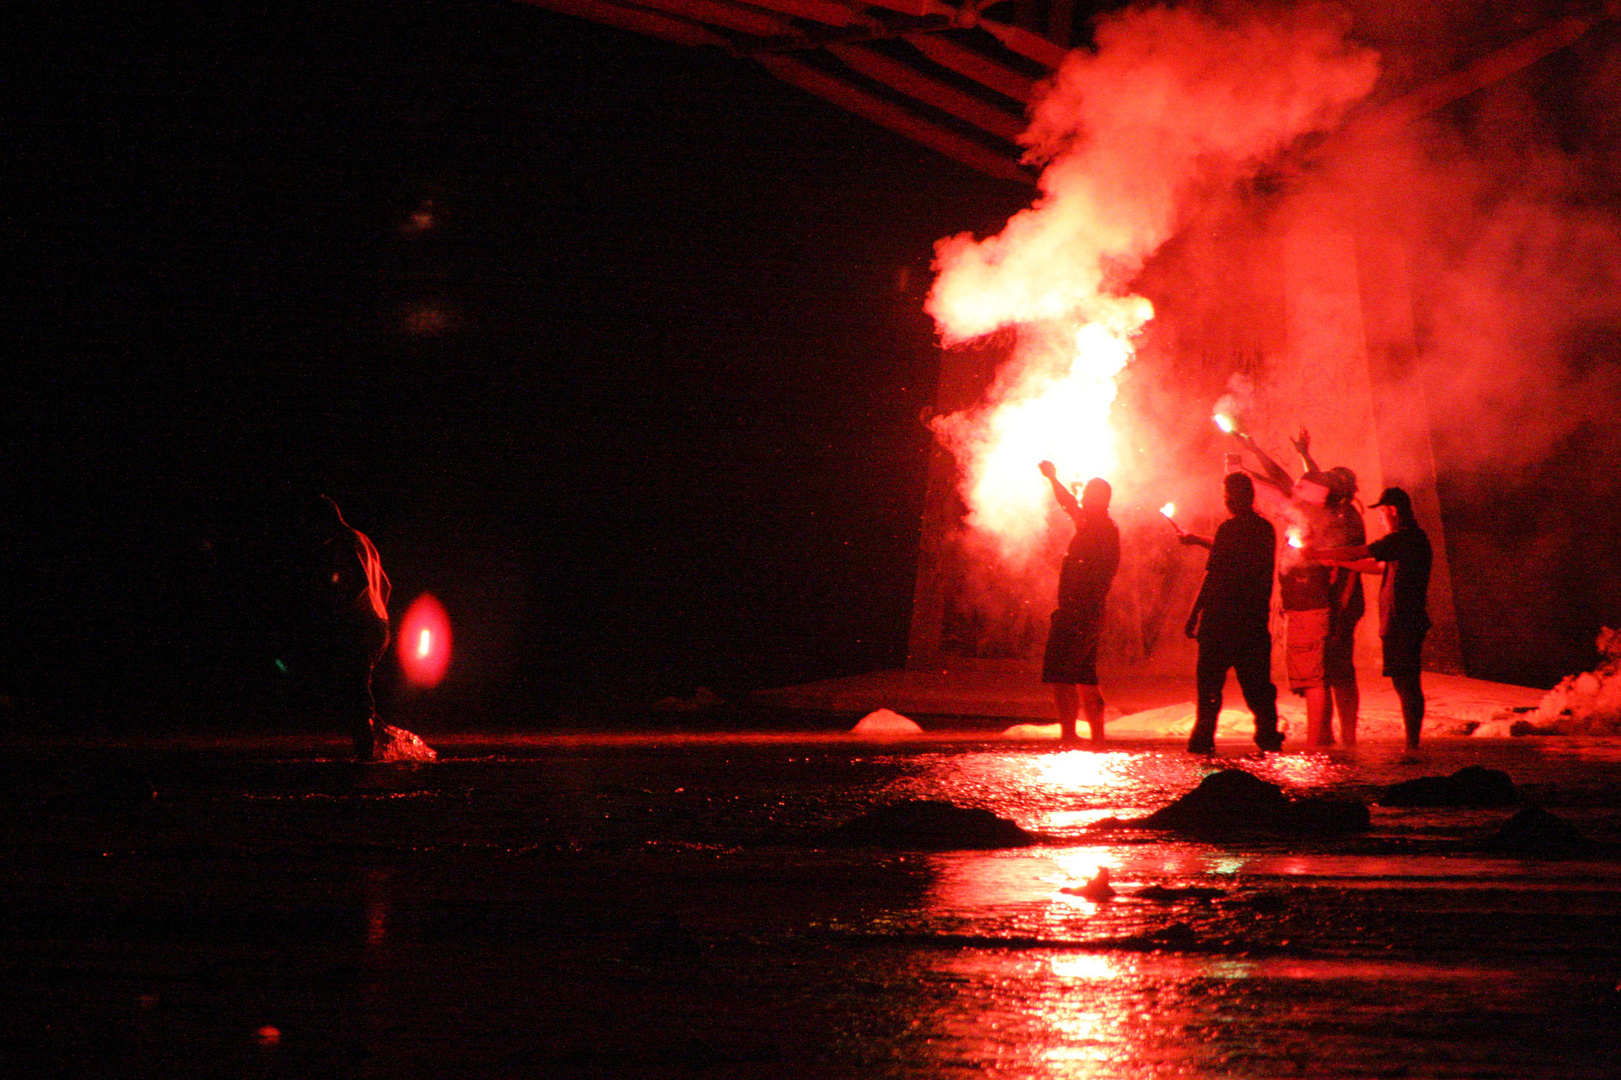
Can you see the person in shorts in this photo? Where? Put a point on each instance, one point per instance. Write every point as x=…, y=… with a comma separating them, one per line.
x=1347, y=605
x=1070, y=663
x=1402, y=558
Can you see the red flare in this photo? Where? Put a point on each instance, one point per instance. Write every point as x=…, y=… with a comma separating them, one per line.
x=424, y=642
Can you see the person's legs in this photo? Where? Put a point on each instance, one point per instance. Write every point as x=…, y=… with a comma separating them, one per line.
x=364, y=725
x=1319, y=716
x=1092, y=705
x=1404, y=651
x=1068, y=701
x=1348, y=702
x=1210, y=674
x=1254, y=669
x=1306, y=650
x=1339, y=669
x=1411, y=692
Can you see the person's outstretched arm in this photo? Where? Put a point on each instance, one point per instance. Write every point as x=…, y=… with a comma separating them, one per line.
x=1303, y=448
x=1352, y=558
x=1065, y=497
x=1276, y=475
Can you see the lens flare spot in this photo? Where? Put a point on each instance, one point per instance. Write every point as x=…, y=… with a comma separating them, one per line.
x=424, y=650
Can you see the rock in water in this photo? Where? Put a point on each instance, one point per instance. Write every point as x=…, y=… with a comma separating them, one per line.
x=1469, y=786
x=397, y=744
x=931, y=825
x=1231, y=797
x=1097, y=890
x=1534, y=831
x=1233, y=800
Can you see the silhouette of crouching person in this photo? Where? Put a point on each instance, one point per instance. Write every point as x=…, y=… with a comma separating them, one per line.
x=350, y=602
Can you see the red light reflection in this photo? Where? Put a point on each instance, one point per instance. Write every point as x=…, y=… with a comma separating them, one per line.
x=424, y=642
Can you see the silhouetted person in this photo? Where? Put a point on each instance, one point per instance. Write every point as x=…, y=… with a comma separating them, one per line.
x=1229, y=618
x=1071, y=660
x=1402, y=558
x=1345, y=529
x=1305, y=589
x=350, y=600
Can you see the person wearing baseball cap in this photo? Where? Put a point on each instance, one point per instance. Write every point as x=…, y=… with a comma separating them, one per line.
x=1402, y=558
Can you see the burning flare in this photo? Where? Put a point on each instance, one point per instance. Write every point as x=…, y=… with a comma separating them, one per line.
x=1170, y=99
x=424, y=648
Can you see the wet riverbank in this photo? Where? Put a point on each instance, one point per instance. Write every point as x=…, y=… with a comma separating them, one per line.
x=663, y=905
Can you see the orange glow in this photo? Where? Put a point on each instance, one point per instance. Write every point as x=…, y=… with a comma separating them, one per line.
x=1128, y=133
x=1051, y=403
x=424, y=649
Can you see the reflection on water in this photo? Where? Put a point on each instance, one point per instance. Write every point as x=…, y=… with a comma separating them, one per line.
x=1059, y=794
x=654, y=908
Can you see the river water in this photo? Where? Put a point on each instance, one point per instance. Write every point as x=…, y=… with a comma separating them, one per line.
x=667, y=906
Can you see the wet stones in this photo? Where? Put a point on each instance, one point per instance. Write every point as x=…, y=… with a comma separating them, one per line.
x=1536, y=833
x=1234, y=801
x=1469, y=786
x=931, y=825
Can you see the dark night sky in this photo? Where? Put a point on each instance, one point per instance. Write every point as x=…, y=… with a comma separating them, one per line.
x=667, y=438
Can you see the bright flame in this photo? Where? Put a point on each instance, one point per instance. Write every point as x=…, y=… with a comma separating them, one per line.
x=1169, y=99
x=1225, y=422
x=1295, y=540
x=1169, y=509
x=1052, y=404
x=424, y=649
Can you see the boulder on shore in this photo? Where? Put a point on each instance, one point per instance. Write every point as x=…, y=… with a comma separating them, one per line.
x=1472, y=785
x=886, y=724
x=930, y=825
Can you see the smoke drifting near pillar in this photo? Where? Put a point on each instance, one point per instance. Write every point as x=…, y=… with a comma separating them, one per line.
x=1208, y=170
x=1173, y=107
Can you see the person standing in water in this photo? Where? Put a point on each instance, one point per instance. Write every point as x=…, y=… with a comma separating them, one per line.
x=1402, y=558
x=351, y=602
x=1305, y=590
x=1070, y=664
x=1229, y=618
x=1339, y=652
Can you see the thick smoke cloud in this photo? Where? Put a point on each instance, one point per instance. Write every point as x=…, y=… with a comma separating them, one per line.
x=1173, y=107
x=1175, y=168
x=1172, y=101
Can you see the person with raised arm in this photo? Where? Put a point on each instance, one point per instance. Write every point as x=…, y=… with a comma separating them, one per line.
x=1070, y=663
x=1305, y=590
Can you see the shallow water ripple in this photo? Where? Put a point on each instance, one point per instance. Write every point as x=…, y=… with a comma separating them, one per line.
x=670, y=909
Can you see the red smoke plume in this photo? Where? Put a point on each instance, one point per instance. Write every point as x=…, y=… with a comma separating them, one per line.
x=1173, y=106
